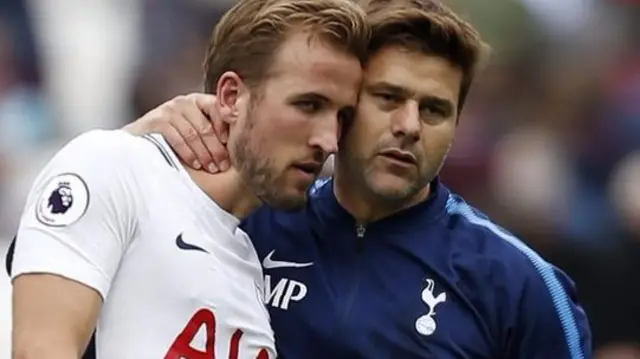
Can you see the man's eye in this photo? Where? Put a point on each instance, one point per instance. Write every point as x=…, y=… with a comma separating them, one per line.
x=308, y=106
x=387, y=97
x=432, y=111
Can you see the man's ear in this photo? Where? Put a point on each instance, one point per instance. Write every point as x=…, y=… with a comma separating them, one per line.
x=230, y=88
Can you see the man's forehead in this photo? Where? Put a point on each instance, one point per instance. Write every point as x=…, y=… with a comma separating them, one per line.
x=314, y=57
x=337, y=85
x=415, y=72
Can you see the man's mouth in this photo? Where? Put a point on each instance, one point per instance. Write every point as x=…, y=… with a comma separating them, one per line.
x=310, y=168
x=400, y=156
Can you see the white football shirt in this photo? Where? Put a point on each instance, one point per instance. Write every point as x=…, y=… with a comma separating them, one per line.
x=119, y=214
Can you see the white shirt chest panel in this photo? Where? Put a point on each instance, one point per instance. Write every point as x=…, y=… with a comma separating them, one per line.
x=181, y=285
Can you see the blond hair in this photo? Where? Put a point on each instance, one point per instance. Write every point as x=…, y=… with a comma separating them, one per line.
x=251, y=32
x=429, y=27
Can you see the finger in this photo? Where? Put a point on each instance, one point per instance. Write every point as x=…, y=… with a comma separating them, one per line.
x=190, y=135
x=211, y=160
x=221, y=132
x=214, y=146
x=179, y=146
x=218, y=151
x=221, y=128
x=213, y=130
x=209, y=105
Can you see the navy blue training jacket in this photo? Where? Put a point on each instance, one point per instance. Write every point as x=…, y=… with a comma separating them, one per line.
x=438, y=280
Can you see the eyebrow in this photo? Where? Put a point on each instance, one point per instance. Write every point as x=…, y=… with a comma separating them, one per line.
x=443, y=103
x=312, y=96
x=386, y=86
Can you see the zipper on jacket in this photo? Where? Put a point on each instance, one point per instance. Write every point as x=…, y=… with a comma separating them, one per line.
x=360, y=232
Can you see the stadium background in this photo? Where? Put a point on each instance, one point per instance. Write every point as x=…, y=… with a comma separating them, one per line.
x=549, y=143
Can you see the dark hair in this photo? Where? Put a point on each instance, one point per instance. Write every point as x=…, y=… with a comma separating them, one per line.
x=429, y=27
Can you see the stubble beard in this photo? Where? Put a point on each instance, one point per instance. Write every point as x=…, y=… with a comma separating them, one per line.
x=359, y=173
x=258, y=170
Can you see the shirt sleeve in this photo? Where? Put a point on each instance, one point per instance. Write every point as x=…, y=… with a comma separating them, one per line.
x=550, y=323
x=80, y=214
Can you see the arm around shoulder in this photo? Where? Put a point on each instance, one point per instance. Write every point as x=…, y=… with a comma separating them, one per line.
x=79, y=218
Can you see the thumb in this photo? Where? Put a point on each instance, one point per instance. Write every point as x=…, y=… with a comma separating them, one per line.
x=207, y=103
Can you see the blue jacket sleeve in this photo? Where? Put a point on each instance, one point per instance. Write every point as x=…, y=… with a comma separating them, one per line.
x=550, y=323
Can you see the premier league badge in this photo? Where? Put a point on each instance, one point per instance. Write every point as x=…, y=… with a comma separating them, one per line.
x=63, y=201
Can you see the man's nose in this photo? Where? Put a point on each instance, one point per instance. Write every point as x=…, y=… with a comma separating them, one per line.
x=406, y=121
x=325, y=136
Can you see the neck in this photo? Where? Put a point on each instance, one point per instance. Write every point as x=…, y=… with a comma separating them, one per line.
x=228, y=190
x=366, y=206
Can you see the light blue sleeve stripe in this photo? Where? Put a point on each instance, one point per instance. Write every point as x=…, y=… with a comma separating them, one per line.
x=559, y=297
x=318, y=184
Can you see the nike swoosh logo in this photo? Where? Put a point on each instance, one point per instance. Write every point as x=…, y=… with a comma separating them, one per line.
x=269, y=263
x=187, y=246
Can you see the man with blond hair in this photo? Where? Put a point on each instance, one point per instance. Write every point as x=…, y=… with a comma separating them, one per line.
x=385, y=261
x=117, y=236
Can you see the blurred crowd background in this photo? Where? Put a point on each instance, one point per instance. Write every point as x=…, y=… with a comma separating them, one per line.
x=548, y=145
